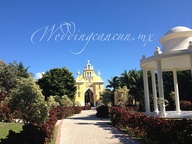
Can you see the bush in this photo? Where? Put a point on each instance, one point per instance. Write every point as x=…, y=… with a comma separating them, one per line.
x=63, y=112
x=154, y=129
x=102, y=112
x=185, y=105
x=77, y=103
x=33, y=133
x=51, y=102
x=28, y=99
x=77, y=109
x=87, y=107
x=5, y=113
x=65, y=101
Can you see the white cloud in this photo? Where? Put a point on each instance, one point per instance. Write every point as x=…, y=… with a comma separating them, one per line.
x=39, y=75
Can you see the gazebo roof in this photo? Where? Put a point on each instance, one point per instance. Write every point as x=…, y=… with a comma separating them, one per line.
x=178, y=60
x=176, y=51
x=178, y=29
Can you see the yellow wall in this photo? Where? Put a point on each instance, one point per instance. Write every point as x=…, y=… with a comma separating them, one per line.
x=90, y=82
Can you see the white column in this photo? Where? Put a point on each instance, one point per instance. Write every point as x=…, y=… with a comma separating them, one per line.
x=191, y=63
x=146, y=90
x=161, y=90
x=154, y=92
x=177, y=103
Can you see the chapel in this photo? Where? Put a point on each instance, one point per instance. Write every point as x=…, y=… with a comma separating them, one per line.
x=89, y=86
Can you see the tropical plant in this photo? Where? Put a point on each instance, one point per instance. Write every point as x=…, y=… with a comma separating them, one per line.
x=21, y=70
x=113, y=83
x=133, y=80
x=125, y=79
x=106, y=97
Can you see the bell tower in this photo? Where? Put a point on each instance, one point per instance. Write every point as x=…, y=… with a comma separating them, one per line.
x=89, y=86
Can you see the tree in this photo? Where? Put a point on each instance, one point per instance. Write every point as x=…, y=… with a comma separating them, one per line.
x=121, y=94
x=136, y=84
x=106, y=97
x=22, y=71
x=124, y=79
x=133, y=80
x=113, y=83
x=9, y=75
x=184, y=82
x=185, y=85
x=58, y=81
x=28, y=99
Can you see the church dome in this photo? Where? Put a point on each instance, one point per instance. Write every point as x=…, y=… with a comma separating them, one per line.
x=178, y=29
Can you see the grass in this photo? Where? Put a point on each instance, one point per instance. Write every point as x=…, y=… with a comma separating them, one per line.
x=5, y=127
x=55, y=135
x=16, y=127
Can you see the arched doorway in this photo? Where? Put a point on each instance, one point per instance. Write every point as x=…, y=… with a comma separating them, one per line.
x=89, y=97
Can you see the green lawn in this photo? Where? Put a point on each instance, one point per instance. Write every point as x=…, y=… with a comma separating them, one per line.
x=55, y=135
x=5, y=127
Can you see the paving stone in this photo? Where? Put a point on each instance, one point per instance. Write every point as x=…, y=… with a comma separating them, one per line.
x=86, y=128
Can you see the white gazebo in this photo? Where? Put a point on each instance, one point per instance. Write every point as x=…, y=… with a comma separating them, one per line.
x=176, y=55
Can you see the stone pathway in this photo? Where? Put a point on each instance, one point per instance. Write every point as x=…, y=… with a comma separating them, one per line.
x=86, y=128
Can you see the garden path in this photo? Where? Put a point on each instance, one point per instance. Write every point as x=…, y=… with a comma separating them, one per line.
x=86, y=128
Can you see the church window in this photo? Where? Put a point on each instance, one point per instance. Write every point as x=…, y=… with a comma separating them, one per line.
x=88, y=67
x=79, y=94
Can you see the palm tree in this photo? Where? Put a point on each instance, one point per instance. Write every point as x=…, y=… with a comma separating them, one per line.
x=22, y=71
x=113, y=83
x=136, y=84
x=124, y=79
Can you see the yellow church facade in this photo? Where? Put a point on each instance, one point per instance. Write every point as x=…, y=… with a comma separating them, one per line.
x=89, y=86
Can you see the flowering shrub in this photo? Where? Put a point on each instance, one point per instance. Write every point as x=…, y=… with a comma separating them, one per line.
x=5, y=113
x=185, y=105
x=132, y=108
x=154, y=129
x=49, y=125
x=63, y=112
x=87, y=107
x=77, y=109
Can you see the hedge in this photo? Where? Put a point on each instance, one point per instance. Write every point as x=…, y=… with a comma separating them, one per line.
x=154, y=129
x=40, y=134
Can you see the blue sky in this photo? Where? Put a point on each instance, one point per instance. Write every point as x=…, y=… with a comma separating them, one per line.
x=49, y=33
